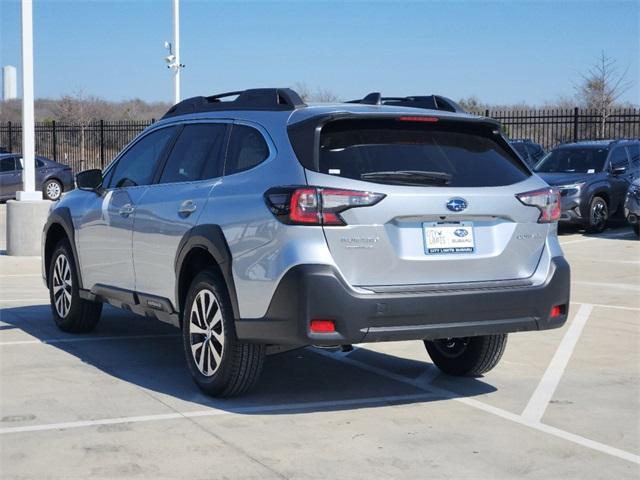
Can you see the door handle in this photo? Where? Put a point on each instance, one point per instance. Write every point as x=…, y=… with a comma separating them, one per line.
x=126, y=210
x=187, y=208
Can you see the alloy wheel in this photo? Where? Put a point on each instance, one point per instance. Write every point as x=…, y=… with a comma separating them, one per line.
x=598, y=214
x=62, y=284
x=53, y=190
x=206, y=332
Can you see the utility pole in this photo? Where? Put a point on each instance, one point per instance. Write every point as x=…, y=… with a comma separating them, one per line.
x=173, y=59
x=28, y=122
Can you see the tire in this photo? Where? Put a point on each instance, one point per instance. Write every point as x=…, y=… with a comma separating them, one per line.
x=598, y=215
x=469, y=356
x=70, y=312
x=52, y=190
x=220, y=365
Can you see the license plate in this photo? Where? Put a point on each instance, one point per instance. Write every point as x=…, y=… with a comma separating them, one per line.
x=448, y=237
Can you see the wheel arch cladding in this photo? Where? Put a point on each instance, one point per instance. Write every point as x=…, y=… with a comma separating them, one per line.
x=59, y=226
x=204, y=246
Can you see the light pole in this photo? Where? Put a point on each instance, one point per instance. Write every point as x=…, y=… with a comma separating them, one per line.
x=28, y=122
x=173, y=59
x=27, y=215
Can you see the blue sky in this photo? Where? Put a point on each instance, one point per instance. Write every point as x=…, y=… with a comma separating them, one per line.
x=501, y=52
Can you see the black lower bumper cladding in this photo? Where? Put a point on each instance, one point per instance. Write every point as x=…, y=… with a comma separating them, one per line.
x=308, y=292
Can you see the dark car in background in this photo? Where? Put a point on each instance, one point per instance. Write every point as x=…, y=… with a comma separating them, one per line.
x=593, y=177
x=530, y=151
x=632, y=205
x=52, y=178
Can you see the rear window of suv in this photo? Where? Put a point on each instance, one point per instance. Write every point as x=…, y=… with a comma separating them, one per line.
x=469, y=155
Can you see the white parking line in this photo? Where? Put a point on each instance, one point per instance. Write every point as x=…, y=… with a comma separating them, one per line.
x=541, y=397
x=604, y=305
x=622, y=286
x=210, y=412
x=21, y=275
x=589, y=239
x=84, y=339
x=571, y=437
x=21, y=300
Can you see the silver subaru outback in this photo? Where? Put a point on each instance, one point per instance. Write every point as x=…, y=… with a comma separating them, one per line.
x=250, y=219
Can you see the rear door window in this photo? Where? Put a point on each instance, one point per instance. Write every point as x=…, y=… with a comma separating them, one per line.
x=7, y=164
x=247, y=149
x=197, y=154
x=471, y=155
x=619, y=158
x=634, y=155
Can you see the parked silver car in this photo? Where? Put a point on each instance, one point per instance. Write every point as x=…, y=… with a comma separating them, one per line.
x=52, y=178
x=261, y=220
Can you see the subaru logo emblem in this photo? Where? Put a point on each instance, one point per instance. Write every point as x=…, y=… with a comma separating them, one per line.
x=457, y=204
x=460, y=232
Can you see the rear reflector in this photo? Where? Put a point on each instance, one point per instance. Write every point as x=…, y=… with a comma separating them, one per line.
x=557, y=311
x=418, y=119
x=322, y=326
x=547, y=200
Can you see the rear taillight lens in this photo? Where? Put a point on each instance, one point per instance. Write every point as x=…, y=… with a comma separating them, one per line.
x=316, y=205
x=547, y=200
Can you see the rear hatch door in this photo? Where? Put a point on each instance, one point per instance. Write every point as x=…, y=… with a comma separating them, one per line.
x=450, y=213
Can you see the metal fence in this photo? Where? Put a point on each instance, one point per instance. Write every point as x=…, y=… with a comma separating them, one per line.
x=93, y=145
x=81, y=146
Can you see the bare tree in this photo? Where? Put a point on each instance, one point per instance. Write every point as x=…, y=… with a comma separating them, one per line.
x=320, y=95
x=324, y=95
x=80, y=110
x=303, y=90
x=602, y=86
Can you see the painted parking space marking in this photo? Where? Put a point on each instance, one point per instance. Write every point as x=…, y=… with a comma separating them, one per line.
x=604, y=305
x=629, y=234
x=25, y=300
x=53, y=341
x=622, y=286
x=519, y=419
x=543, y=393
x=211, y=412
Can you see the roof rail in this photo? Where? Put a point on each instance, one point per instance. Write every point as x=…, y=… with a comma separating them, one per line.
x=430, y=102
x=253, y=99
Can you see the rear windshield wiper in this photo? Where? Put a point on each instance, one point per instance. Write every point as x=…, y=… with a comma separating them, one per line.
x=409, y=177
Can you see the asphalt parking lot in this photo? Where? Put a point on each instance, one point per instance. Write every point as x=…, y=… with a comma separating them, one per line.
x=119, y=402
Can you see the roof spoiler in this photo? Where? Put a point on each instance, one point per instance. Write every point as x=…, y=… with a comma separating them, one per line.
x=429, y=102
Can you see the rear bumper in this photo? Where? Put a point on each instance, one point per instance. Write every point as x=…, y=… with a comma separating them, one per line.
x=309, y=292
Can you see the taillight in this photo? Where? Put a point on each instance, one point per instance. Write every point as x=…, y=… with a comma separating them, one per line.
x=547, y=200
x=316, y=205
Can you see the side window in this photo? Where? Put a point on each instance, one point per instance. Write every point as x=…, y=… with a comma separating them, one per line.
x=634, y=155
x=39, y=163
x=7, y=164
x=138, y=165
x=619, y=158
x=197, y=154
x=247, y=148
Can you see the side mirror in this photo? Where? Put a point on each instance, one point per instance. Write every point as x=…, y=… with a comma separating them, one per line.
x=618, y=170
x=89, y=180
